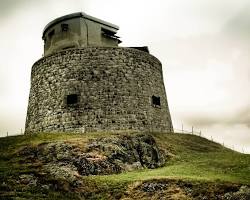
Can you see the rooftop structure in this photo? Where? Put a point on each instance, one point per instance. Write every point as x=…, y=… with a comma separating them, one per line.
x=78, y=30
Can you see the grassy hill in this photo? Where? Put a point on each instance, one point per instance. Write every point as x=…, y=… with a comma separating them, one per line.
x=195, y=168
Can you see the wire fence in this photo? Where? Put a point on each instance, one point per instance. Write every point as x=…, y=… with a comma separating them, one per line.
x=182, y=130
x=199, y=133
x=7, y=134
x=192, y=131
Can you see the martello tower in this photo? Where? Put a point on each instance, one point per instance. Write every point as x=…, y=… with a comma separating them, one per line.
x=85, y=82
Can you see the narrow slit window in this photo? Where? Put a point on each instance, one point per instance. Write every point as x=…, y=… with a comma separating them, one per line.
x=156, y=101
x=64, y=27
x=72, y=99
x=109, y=33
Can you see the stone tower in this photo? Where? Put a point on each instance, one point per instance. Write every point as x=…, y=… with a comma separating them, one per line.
x=85, y=82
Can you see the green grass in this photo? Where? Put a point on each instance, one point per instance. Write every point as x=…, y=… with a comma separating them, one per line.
x=193, y=159
x=232, y=169
x=11, y=143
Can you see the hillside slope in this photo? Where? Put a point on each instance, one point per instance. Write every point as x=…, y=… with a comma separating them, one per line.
x=121, y=166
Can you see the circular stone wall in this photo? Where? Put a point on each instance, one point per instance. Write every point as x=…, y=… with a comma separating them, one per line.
x=97, y=89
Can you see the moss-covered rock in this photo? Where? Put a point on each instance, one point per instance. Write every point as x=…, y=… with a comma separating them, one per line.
x=104, y=155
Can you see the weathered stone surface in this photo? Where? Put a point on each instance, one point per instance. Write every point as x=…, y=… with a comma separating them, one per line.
x=113, y=88
x=104, y=155
x=130, y=150
x=188, y=190
x=28, y=179
x=242, y=194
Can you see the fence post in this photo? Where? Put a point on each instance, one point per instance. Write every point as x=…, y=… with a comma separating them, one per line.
x=192, y=130
x=7, y=134
x=200, y=134
x=182, y=128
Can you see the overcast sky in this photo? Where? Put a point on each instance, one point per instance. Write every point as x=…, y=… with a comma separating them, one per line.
x=203, y=46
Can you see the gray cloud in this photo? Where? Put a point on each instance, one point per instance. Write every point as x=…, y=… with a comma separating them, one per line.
x=201, y=120
x=239, y=26
x=8, y=7
x=241, y=117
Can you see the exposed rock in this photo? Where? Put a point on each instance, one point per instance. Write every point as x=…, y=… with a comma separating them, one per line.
x=154, y=190
x=103, y=155
x=130, y=150
x=66, y=172
x=178, y=190
x=153, y=187
x=242, y=194
x=28, y=179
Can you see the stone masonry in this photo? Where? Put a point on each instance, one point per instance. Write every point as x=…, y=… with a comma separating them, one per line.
x=97, y=88
x=114, y=88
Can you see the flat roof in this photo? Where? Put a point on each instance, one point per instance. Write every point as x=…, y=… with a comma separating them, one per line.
x=76, y=15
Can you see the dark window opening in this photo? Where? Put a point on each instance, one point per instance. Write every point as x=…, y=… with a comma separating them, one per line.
x=64, y=27
x=72, y=99
x=51, y=33
x=109, y=33
x=156, y=101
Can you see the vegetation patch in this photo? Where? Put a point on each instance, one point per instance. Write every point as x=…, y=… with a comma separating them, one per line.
x=120, y=166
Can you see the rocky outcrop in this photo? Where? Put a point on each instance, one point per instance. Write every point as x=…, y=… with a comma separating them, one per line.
x=242, y=194
x=104, y=155
x=186, y=190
